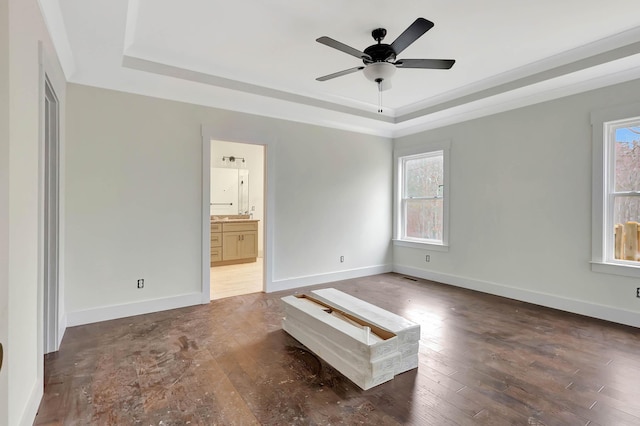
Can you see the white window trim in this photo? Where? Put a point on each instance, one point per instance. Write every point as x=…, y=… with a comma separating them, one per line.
x=601, y=238
x=398, y=154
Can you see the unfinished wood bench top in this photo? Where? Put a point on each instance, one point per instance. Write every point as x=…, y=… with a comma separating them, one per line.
x=368, y=312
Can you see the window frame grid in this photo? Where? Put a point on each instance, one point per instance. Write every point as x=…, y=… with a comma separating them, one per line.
x=404, y=199
x=603, y=123
x=611, y=194
x=440, y=148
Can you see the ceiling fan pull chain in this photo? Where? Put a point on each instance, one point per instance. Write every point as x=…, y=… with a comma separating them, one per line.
x=379, y=81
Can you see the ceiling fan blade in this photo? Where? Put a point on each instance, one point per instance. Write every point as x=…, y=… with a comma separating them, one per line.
x=327, y=41
x=436, y=64
x=339, y=73
x=411, y=34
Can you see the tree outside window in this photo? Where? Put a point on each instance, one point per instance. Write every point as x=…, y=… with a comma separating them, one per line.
x=624, y=188
x=423, y=197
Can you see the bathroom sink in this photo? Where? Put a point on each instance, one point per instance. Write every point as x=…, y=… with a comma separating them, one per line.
x=230, y=218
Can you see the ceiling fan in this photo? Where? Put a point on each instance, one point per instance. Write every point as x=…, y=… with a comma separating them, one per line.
x=380, y=60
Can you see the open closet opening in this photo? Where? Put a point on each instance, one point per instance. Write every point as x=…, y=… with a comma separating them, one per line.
x=237, y=194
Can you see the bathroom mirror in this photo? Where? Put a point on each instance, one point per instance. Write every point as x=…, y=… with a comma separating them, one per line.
x=229, y=191
x=243, y=191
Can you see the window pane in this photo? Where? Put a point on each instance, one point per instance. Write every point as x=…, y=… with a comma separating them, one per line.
x=424, y=219
x=424, y=177
x=627, y=158
x=626, y=215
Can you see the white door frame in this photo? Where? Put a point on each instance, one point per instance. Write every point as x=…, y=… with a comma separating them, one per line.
x=51, y=323
x=210, y=133
x=51, y=213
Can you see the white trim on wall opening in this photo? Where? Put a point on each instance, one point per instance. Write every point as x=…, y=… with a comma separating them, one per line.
x=56, y=330
x=210, y=133
x=602, y=122
x=399, y=154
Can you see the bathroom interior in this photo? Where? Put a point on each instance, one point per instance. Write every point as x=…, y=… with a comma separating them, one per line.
x=237, y=219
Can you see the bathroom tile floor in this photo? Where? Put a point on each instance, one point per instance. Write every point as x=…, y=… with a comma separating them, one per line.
x=236, y=280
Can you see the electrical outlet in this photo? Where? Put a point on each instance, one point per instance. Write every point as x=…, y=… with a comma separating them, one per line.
x=427, y=258
x=141, y=283
x=341, y=259
x=638, y=292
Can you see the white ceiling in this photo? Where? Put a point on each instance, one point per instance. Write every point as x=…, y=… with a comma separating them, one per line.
x=261, y=57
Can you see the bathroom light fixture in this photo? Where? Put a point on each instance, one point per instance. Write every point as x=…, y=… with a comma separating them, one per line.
x=232, y=159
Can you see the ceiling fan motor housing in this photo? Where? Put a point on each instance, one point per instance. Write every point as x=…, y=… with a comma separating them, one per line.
x=380, y=53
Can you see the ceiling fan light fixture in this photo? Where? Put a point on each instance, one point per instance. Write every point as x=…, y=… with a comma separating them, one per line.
x=378, y=59
x=379, y=71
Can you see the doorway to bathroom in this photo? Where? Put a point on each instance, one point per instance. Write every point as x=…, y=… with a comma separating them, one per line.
x=237, y=218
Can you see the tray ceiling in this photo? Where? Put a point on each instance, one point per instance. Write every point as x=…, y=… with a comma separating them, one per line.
x=262, y=58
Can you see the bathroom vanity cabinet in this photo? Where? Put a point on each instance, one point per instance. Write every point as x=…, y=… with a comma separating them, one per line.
x=233, y=241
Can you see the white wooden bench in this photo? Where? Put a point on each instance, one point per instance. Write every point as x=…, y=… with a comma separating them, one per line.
x=408, y=332
x=364, y=342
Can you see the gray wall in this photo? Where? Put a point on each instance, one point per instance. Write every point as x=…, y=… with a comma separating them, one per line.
x=4, y=203
x=134, y=184
x=521, y=208
x=20, y=308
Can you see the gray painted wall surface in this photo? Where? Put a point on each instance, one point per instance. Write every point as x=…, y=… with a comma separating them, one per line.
x=24, y=362
x=521, y=204
x=134, y=196
x=4, y=203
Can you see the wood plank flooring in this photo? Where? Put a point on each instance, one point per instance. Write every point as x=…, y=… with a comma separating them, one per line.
x=484, y=360
x=236, y=280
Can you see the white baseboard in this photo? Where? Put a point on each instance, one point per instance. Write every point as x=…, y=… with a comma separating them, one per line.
x=31, y=409
x=62, y=327
x=594, y=310
x=289, y=283
x=105, y=313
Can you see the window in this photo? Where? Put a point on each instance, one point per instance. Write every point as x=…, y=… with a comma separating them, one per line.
x=617, y=191
x=422, y=197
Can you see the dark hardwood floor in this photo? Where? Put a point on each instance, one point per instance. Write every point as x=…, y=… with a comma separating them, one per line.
x=483, y=360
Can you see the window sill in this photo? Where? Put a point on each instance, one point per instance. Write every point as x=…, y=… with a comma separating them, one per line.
x=419, y=245
x=616, y=269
